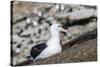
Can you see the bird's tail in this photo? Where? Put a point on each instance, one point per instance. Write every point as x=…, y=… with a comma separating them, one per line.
x=29, y=57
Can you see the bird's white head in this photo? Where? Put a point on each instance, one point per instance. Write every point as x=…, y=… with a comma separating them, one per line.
x=56, y=28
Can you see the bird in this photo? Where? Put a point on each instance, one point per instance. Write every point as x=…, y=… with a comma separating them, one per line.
x=49, y=48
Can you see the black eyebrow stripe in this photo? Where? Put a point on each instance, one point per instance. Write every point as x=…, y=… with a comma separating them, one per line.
x=59, y=26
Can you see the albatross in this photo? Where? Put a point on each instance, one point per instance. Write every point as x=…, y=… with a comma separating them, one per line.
x=51, y=47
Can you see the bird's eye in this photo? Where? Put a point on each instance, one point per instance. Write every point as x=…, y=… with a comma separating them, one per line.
x=59, y=26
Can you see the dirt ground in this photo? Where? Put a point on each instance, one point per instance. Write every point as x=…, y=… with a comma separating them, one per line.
x=84, y=51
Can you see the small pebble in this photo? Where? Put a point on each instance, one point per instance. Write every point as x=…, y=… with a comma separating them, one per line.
x=39, y=13
x=34, y=34
x=17, y=50
x=28, y=20
x=35, y=23
x=30, y=42
x=62, y=7
x=46, y=29
x=57, y=6
x=19, y=46
x=39, y=31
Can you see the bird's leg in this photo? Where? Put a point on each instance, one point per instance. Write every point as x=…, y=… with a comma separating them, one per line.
x=34, y=60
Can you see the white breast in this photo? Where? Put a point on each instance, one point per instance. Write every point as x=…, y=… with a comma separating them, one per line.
x=54, y=47
x=53, y=43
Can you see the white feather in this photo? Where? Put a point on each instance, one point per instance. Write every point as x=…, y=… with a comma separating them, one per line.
x=53, y=43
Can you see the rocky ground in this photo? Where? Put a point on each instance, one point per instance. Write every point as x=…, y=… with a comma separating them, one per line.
x=30, y=22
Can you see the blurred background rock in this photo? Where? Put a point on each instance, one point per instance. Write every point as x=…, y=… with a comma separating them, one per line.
x=30, y=22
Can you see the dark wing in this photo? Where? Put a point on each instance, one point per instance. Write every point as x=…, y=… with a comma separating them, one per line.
x=36, y=50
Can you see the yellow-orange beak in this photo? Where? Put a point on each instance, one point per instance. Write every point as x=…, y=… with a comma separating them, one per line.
x=63, y=30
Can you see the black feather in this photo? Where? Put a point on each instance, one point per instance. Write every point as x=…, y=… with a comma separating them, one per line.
x=36, y=50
